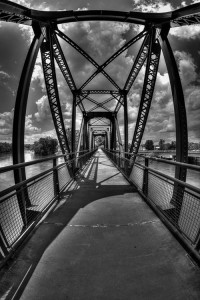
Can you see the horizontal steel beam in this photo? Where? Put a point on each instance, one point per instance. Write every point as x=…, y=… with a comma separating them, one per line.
x=12, y=12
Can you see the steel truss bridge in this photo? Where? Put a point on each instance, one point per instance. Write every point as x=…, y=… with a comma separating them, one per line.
x=99, y=120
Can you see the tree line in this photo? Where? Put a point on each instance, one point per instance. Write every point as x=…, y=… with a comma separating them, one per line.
x=44, y=146
x=149, y=145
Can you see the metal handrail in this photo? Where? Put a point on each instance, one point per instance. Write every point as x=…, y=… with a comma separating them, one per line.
x=175, y=163
x=186, y=185
x=36, y=161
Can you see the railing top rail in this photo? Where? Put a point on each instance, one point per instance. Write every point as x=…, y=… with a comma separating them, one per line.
x=175, y=163
x=185, y=184
x=29, y=163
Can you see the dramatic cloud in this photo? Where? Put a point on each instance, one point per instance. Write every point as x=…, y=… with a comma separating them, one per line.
x=29, y=128
x=6, y=122
x=187, y=67
x=186, y=32
x=152, y=6
x=43, y=110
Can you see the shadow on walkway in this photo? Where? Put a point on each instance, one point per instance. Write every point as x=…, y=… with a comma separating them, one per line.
x=97, y=180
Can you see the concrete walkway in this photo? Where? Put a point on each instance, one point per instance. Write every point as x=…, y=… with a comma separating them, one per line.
x=108, y=245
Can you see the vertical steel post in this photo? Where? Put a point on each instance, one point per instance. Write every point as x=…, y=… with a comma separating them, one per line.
x=55, y=178
x=145, y=179
x=125, y=123
x=85, y=133
x=113, y=136
x=180, y=118
x=20, y=116
x=73, y=131
x=179, y=104
x=119, y=136
x=79, y=143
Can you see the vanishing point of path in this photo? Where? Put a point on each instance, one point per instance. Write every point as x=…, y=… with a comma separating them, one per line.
x=105, y=243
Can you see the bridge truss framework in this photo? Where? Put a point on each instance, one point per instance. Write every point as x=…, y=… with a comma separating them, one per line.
x=155, y=39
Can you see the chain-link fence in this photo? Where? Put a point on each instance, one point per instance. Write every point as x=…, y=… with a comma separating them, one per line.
x=25, y=203
x=176, y=201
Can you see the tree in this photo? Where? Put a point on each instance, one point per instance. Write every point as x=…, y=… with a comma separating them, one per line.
x=5, y=147
x=45, y=146
x=173, y=145
x=149, y=145
x=161, y=144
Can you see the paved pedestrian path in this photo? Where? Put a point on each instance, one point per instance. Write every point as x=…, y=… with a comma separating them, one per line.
x=108, y=245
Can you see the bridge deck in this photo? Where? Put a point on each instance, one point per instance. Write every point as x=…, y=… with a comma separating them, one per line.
x=104, y=242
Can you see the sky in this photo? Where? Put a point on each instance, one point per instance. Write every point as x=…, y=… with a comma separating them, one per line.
x=100, y=40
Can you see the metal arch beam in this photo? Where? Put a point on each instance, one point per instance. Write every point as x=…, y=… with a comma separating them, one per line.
x=115, y=55
x=20, y=116
x=179, y=104
x=59, y=17
x=12, y=12
x=52, y=91
x=157, y=19
x=147, y=92
x=87, y=56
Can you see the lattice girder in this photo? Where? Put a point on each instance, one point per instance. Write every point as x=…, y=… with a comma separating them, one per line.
x=52, y=92
x=147, y=93
x=62, y=63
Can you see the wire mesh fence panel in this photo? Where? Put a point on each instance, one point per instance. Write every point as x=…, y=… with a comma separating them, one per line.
x=63, y=176
x=189, y=219
x=40, y=193
x=11, y=221
x=160, y=191
x=137, y=176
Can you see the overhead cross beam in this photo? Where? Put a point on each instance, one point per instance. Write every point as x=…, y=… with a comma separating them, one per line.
x=52, y=91
x=86, y=55
x=97, y=104
x=101, y=104
x=100, y=92
x=101, y=68
x=147, y=92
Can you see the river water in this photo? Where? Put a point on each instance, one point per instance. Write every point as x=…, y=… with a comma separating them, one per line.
x=7, y=179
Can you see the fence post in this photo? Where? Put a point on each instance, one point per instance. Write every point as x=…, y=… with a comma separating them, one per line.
x=145, y=180
x=3, y=242
x=55, y=178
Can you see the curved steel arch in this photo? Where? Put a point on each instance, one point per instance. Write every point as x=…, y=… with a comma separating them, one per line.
x=11, y=12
